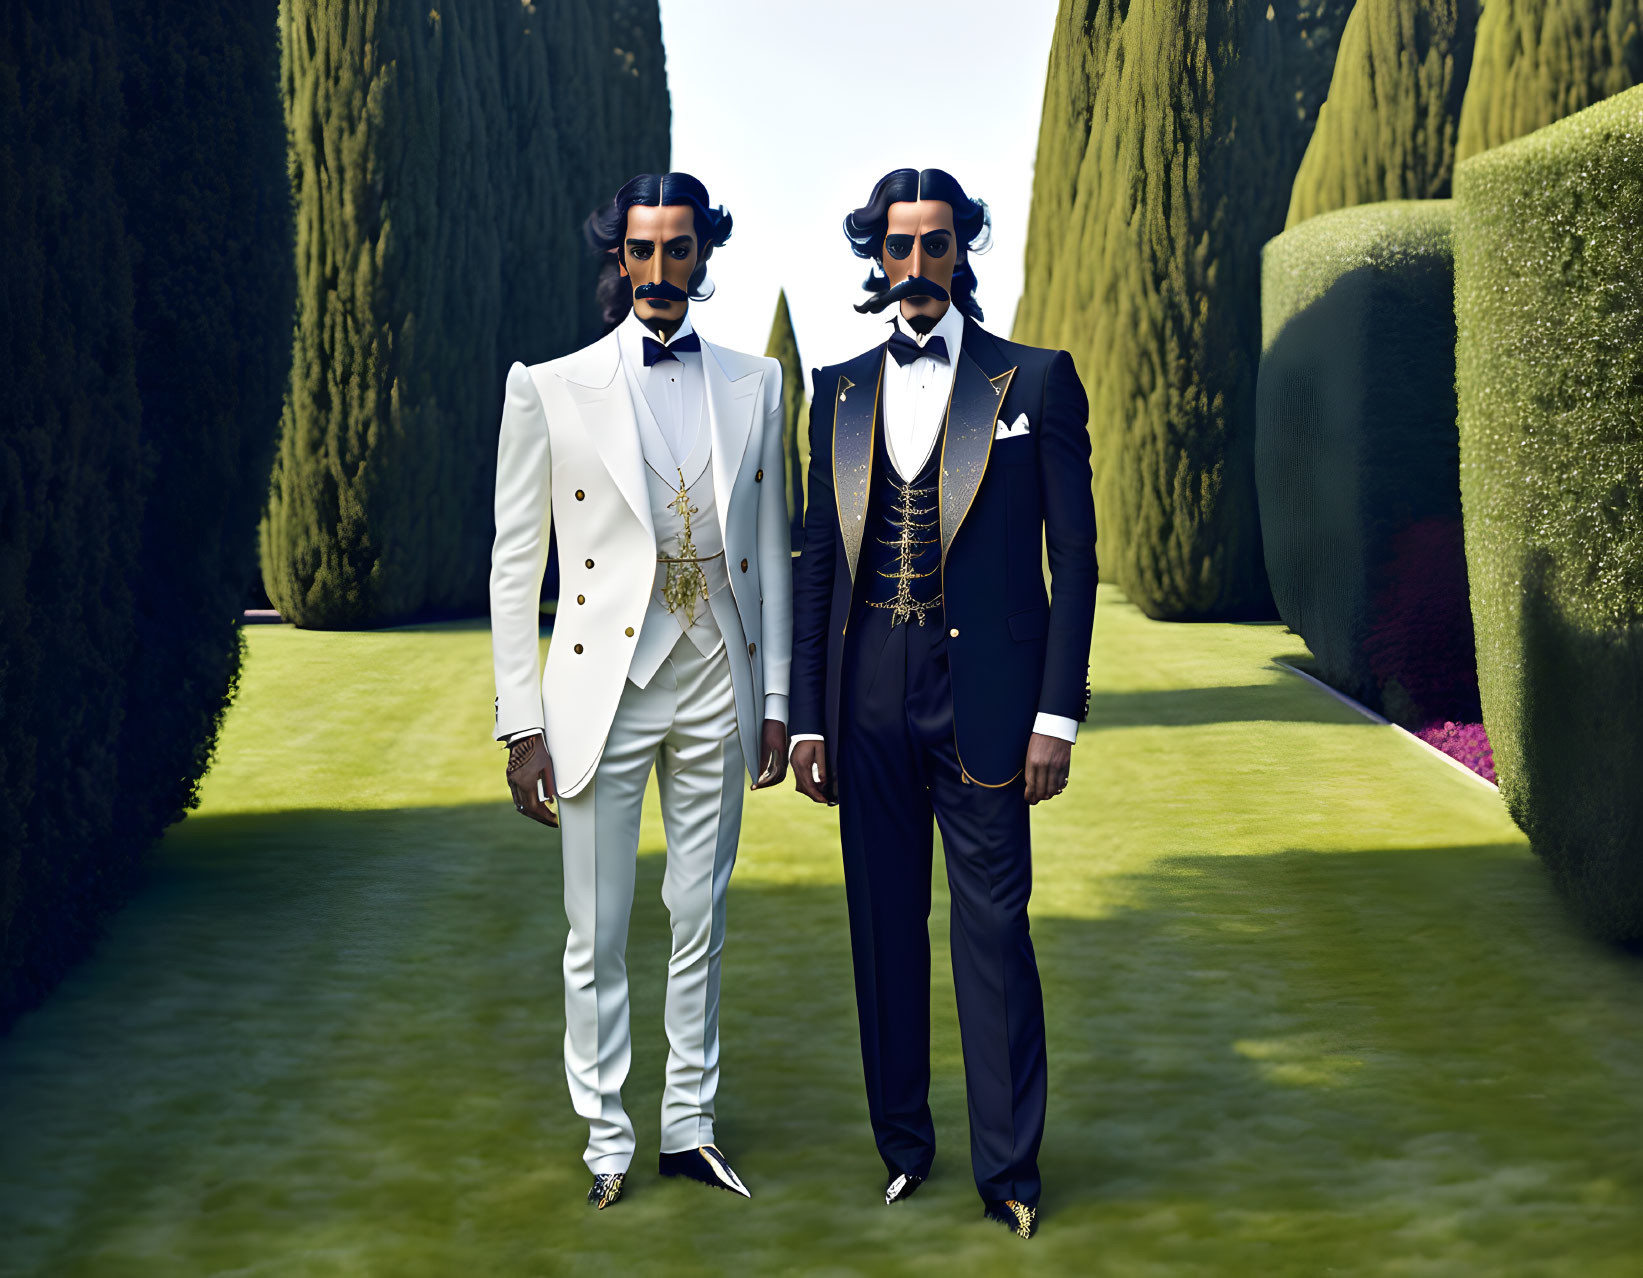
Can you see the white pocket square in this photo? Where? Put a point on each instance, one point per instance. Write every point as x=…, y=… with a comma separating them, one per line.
x=1015, y=430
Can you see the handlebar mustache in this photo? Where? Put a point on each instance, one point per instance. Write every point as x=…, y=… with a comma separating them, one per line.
x=912, y=286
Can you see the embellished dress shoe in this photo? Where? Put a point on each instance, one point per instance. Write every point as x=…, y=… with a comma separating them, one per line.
x=607, y=1188
x=706, y=1164
x=1019, y=1218
x=902, y=1186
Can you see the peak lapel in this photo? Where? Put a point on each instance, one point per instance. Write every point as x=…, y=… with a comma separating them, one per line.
x=730, y=409
x=606, y=407
x=855, y=424
x=972, y=416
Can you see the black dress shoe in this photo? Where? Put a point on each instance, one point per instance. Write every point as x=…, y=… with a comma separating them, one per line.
x=1019, y=1218
x=705, y=1164
x=607, y=1188
x=902, y=1186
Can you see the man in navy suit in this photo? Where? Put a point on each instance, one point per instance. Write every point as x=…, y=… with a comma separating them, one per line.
x=933, y=677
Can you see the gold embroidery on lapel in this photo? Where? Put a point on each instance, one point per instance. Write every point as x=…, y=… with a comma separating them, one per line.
x=855, y=465
x=967, y=483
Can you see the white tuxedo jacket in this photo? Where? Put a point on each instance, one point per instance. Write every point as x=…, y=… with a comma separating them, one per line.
x=569, y=444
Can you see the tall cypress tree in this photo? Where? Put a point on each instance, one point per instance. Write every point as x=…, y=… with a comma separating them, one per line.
x=71, y=474
x=783, y=347
x=1540, y=60
x=1198, y=118
x=1062, y=191
x=442, y=161
x=1388, y=129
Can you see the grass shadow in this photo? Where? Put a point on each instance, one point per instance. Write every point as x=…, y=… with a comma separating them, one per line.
x=328, y=1042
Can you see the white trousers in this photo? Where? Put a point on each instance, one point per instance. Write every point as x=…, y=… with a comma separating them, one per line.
x=684, y=722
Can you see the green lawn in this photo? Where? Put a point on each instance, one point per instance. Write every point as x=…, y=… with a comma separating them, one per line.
x=1312, y=1009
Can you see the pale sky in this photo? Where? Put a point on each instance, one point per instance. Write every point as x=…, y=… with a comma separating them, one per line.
x=790, y=112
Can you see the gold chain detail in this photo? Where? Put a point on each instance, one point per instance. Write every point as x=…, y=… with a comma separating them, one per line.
x=685, y=581
x=904, y=606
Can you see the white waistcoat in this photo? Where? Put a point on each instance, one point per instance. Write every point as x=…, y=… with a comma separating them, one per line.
x=662, y=629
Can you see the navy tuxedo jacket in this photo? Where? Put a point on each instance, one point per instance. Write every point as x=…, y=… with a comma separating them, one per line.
x=1013, y=649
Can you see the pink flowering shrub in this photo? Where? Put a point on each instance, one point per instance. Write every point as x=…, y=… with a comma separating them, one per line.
x=1466, y=742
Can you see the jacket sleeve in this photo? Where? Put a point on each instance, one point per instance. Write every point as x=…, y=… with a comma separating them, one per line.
x=775, y=549
x=813, y=575
x=1069, y=538
x=519, y=555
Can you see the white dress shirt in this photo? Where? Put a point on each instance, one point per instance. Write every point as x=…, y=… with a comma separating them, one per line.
x=674, y=388
x=916, y=396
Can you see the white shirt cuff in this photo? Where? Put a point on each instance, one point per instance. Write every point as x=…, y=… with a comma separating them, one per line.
x=775, y=707
x=803, y=736
x=520, y=736
x=1056, y=725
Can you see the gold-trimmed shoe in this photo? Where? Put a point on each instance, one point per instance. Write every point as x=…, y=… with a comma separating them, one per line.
x=1019, y=1218
x=607, y=1188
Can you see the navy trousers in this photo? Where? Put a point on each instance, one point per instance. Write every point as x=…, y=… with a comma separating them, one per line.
x=898, y=773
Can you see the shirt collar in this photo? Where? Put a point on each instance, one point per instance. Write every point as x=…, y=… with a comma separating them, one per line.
x=632, y=331
x=950, y=328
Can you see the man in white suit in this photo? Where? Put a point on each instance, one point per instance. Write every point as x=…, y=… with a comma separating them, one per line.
x=661, y=455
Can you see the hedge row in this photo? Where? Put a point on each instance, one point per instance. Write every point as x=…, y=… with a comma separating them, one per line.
x=143, y=352
x=442, y=161
x=1357, y=456
x=1549, y=306
x=1169, y=139
x=1388, y=128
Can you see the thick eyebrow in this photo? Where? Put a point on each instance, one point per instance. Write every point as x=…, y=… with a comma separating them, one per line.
x=632, y=243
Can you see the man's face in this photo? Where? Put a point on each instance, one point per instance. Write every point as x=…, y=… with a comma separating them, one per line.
x=919, y=240
x=659, y=253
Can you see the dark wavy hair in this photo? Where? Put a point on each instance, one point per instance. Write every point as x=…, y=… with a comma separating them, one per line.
x=865, y=227
x=606, y=227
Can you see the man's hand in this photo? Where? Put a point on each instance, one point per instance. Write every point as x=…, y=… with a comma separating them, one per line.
x=1049, y=763
x=530, y=777
x=773, y=751
x=810, y=769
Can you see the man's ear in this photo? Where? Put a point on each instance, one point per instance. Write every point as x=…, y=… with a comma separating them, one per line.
x=621, y=262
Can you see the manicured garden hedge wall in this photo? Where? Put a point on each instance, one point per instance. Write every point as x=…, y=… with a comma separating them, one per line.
x=1170, y=137
x=1549, y=307
x=1356, y=455
x=442, y=161
x=144, y=341
x=1387, y=130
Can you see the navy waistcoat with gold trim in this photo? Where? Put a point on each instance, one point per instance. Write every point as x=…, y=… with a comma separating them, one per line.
x=900, y=568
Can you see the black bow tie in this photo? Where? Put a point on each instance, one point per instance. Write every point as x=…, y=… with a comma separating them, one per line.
x=654, y=350
x=906, y=350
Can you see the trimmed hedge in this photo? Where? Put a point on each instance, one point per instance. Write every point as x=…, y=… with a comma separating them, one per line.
x=442, y=161
x=208, y=209
x=1169, y=141
x=143, y=353
x=70, y=490
x=1356, y=456
x=1387, y=130
x=1549, y=306
x=783, y=347
x=1538, y=61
